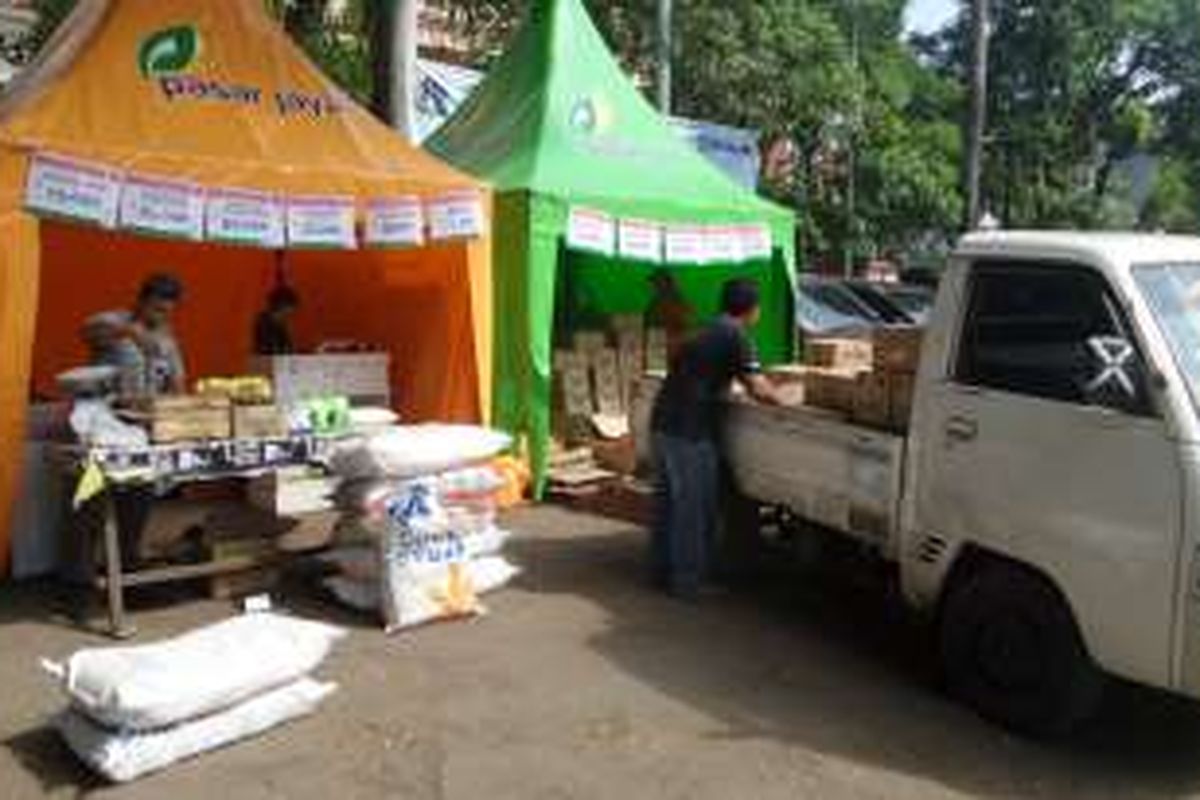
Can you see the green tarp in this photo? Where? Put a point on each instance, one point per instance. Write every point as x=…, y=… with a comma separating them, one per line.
x=557, y=124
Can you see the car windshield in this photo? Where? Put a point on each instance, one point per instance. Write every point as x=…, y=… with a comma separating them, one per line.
x=1173, y=293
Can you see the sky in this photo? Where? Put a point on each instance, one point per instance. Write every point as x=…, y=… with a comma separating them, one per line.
x=925, y=16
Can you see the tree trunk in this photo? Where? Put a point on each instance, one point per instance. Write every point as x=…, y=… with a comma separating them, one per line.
x=977, y=124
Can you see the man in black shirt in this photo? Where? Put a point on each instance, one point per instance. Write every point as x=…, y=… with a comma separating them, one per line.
x=687, y=426
x=272, y=335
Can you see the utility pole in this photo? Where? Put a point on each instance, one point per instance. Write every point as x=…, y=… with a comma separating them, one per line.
x=394, y=33
x=977, y=125
x=852, y=227
x=665, y=50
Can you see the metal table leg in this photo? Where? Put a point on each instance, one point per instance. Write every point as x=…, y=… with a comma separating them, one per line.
x=117, y=625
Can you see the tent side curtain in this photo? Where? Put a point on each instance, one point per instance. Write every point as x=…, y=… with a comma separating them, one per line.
x=18, y=309
x=416, y=304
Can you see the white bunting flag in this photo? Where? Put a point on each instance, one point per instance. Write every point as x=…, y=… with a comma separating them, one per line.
x=162, y=207
x=458, y=215
x=321, y=222
x=395, y=221
x=593, y=231
x=640, y=239
x=237, y=216
x=68, y=188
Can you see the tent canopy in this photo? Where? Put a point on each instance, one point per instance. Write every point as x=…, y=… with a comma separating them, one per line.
x=215, y=93
x=558, y=116
x=557, y=123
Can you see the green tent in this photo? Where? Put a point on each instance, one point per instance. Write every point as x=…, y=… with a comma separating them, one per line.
x=557, y=125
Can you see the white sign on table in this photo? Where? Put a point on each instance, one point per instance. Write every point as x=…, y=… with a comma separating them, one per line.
x=162, y=207
x=395, y=221
x=321, y=222
x=591, y=230
x=65, y=187
x=240, y=216
x=685, y=244
x=640, y=239
x=458, y=215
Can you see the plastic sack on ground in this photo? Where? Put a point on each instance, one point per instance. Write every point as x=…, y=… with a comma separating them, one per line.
x=125, y=756
x=424, y=576
x=408, y=451
x=361, y=563
x=157, y=685
x=486, y=575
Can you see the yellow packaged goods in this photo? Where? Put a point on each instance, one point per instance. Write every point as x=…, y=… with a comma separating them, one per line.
x=839, y=353
x=902, y=386
x=872, y=399
x=245, y=389
x=259, y=422
x=189, y=424
x=833, y=389
x=897, y=349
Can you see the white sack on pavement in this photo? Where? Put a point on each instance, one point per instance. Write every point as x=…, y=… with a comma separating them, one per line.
x=151, y=686
x=122, y=757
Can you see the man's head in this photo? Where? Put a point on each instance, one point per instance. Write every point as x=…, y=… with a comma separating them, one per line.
x=157, y=299
x=282, y=301
x=664, y=283
x=739, y=300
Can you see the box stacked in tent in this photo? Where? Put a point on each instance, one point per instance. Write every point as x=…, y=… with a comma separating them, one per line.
x=136, y=710
x=418, y=538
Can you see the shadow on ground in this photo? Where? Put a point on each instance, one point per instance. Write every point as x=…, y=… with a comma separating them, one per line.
x=837, y=668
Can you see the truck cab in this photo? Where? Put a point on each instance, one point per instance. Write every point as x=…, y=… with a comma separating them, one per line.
x=1051, y=509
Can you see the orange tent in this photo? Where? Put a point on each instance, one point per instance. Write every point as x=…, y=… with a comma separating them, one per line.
x=203, y=98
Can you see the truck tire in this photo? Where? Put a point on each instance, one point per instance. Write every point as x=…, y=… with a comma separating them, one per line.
x=1011, y=650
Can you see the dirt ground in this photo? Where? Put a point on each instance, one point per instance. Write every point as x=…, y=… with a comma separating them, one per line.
x=583, y=683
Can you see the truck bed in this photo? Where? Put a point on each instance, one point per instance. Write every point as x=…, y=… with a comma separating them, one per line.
x=823, y=468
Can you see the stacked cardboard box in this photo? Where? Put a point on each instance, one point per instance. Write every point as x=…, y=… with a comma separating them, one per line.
x=868, y=380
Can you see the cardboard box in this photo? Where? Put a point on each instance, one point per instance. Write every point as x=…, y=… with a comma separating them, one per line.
x=291, y=493
x=897, y=349
x=903, y=384
x=839, y=353
x=259, y=422
x=574, y=384
x=872, y=400
x=606, y=374
x=833, y=389
x=656, y=350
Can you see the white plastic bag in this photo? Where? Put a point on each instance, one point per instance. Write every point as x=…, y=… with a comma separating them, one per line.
x=157, y=685
x=125, y=756
x=408, y=451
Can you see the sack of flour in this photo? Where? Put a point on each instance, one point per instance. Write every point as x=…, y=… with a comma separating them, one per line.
x=409, y=451
x=485, y=574
x=145, y=687
x=124, y=756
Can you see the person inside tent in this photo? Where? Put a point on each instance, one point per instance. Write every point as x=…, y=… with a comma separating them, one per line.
x=141, y=343
x=669, y=311
x=272, y=335
x=686, y=435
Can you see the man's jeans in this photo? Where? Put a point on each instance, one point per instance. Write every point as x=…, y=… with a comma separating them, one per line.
x=686, y=512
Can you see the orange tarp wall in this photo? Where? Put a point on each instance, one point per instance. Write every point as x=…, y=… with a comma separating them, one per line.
x=415, y=304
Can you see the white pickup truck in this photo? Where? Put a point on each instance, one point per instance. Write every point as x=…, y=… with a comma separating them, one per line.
x=1044, y=508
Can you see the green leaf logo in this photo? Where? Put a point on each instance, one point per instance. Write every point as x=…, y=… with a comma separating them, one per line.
x=169, y=51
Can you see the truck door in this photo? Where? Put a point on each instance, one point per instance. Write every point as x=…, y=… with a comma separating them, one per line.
x=1041, y=442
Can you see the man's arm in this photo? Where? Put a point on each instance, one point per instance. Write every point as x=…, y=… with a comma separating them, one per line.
x=761, y=389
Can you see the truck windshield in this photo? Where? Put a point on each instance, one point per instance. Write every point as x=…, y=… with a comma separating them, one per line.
x=1173, y=294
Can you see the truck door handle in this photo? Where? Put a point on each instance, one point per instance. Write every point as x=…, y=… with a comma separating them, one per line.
x=961, y=429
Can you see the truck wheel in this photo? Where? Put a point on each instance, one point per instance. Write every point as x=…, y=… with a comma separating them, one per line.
x=1011, y=650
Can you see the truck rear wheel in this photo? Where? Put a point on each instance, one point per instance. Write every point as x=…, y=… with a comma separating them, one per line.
x=1011, y=650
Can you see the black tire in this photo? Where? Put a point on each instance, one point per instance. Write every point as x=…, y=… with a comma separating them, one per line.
x=1012, y=651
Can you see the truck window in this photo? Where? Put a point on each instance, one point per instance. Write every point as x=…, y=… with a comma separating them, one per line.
x=1053, y=332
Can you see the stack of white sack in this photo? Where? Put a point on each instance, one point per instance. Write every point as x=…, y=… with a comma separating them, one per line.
x=420, y=549
x=135, y=710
